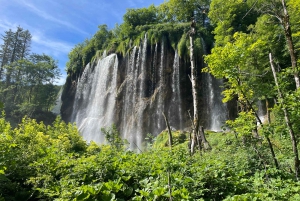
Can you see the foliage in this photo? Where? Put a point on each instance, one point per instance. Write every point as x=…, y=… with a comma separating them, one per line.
x=241, y=56
x=230, y=17
x=142, y=16
x=244, y=124
x=162, y=140
x=244, y=66
x=294, y=7
x=157, y=22
x=113, y=138
x=54, y=163
x=183, y=11
x=26, y=79
x=23, y=146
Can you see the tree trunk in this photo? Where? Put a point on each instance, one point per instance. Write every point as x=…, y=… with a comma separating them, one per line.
x=261, y=124
x=289, y=39
x=13, y=56
x=4, y=59
x=287, y=121
x=269, y=142
x=206, y=145
x=192, y=142
x=195, y=93
x=169, y=130
x=169, y=186
x=194, y=90
x=26, y=39
x=268, y=112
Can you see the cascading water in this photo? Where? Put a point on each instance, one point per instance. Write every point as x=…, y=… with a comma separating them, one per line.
x=216, y=113
x=58, y=102
x=134, y=104
x=217, y=110
x=161, y=88
x=153, y=71
x=129, y=96
x=94, y=103
x=261, y=111
x=132, y=92
x=175, y=112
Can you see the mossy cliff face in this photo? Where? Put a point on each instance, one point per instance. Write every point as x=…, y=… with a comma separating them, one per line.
x=67, y=97
x=151, y=79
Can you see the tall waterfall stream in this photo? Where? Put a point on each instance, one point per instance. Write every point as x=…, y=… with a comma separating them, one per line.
x=134, y=94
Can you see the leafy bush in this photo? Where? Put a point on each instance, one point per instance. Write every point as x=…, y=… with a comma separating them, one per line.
x=54, y=163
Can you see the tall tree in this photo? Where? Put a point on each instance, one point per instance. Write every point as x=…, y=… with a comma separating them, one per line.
x=182, y=10
x=5, y=50
x=32, y=84
x=287, y=121
x=194, y=80
x=16, y=46
x=278, y=9
x=229, y=17
x=242, y=58
x=194, y=87
x=27, y=79
x=25, y=38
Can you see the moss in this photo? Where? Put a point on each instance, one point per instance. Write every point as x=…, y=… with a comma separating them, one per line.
x=162, y=140
x=122, y=38
x=183, y=46
x=198, y=47
x=122, y=48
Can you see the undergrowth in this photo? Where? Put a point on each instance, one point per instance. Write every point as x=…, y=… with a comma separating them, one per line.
x=41, y=162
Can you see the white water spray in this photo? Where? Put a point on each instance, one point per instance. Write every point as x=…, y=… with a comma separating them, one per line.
x=95, y=98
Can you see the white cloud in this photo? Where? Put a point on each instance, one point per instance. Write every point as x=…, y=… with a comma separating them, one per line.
x=57, y=49
x=49, y=17
x=54, y=48
x=6, y=25
x=50, y=45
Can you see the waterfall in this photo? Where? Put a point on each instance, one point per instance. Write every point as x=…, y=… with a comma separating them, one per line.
x=261, y=111
x=141, y=104
x=175, y=113
x=94, y=103
x=217, y=110
x=129, y=96
x=58, y=102
x=133, y=91
x=153, y=71
x=134, y=103
x=161, y=88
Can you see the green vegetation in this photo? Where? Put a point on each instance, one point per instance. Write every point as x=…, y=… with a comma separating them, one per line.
x=165, y=22
x=244, y=53
x=54, y=163
x=26, y=79
x=252, y=161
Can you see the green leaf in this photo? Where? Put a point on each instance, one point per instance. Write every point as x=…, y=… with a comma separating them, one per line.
x=188, y=180
x=128, y=191
x=82, y=196
x=159, y=191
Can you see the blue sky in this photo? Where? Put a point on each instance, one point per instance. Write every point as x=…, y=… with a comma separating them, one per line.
x=58, y=25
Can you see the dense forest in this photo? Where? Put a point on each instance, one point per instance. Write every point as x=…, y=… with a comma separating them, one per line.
x=253, y=46
x=26, y=79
